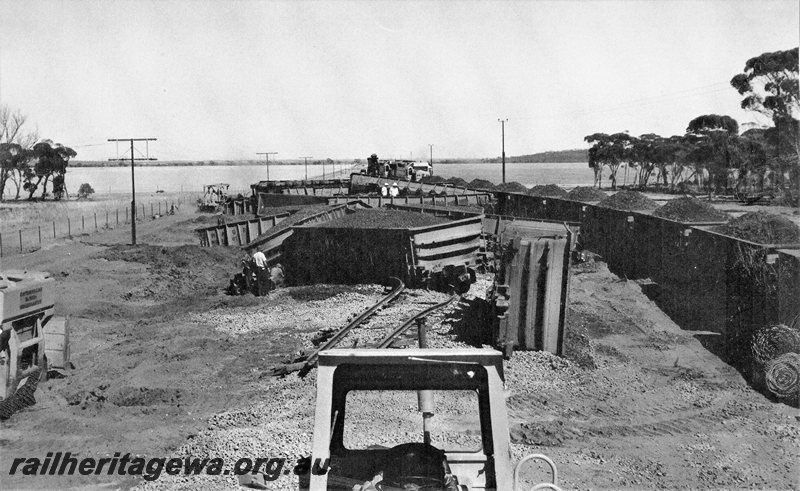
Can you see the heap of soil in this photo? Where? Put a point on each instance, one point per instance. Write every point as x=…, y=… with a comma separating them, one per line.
x=383, y=219
x=689, y=209
x=628, y=200
x=174, y=272
x=547, y=191
x=162, y=256
x=481, y=184
x=457, y=181
x=511, y=187
x=432, y=179
x=586, y=193
x=763, y=228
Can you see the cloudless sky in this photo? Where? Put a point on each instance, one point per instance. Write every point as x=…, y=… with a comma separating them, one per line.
x=226, y=79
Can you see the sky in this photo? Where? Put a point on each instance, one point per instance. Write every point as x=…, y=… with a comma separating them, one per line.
x=227, y=79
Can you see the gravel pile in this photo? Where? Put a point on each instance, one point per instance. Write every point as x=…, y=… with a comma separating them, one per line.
x=457, y=181
x=689, y=209
x=763, y=228
x=280, y=424
x=432, y=179
x=511, y=187
x=481, y=184
x=280, y=313
x=446, y=207
x=547, y=191
x=586, y=193
x=295, y=217
x=628, y=200
x=383, y=219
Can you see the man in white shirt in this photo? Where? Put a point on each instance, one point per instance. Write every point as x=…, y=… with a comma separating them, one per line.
x=395, y=191
x=385, y=189
x=262, y=277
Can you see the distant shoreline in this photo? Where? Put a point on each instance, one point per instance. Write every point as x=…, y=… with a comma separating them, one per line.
x=231, y=163
x=577, y=155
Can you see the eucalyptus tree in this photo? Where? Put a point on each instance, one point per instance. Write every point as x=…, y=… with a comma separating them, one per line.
x=770, y=86
x=714, y=139
x=608, y=151
x=645, y=154
x=15, y=143
x=50, y=162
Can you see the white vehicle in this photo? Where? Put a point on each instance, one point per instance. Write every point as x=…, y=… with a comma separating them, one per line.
x=422, y=169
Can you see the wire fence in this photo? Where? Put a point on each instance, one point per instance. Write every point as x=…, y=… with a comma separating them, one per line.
x=30, y=239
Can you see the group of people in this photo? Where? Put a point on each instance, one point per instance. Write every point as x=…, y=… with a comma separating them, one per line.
x=266, y=278
x=393, y=191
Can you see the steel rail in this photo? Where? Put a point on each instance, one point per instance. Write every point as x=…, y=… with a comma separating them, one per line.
x=306, y=365
x=385, y=342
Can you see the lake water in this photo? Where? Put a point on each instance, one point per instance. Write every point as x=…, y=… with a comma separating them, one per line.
x=240, y=177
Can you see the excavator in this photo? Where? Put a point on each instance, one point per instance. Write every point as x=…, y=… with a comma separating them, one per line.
x=33, y=341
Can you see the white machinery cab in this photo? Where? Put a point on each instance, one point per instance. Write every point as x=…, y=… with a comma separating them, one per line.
x=33, y=339
x=422, y=169
x=431, y=418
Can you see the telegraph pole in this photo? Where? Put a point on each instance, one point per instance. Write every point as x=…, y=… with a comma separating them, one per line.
x=306, y=159
x=431, y=145
x=133, y=178
x=503, y=129
x=267, y=154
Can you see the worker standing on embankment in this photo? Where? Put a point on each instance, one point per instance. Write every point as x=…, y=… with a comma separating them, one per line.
x=262, y=276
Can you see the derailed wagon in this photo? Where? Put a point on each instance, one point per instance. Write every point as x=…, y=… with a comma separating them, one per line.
x=441, y=255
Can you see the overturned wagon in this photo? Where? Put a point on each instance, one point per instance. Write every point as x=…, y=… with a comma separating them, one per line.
x=365, y=249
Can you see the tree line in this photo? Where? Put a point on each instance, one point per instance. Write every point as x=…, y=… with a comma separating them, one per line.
x=712, y=152
x=27, y=163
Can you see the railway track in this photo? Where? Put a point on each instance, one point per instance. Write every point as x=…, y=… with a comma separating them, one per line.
x=308, y=362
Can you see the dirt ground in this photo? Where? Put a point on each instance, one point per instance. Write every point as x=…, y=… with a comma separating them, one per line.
x=166, y=364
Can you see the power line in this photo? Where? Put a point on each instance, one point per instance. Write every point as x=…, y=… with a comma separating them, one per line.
x=503, y=126
x=133, y=178
x=643, y=101
x=267, y=154
x=306, y=161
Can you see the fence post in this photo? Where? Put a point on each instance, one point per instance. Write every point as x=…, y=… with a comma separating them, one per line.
x=20, y=241
x=95, y=220
x=159, y=207
x=142, y=211
x=151, y=209
x=69, y=227
x=40, y=236
x=126, y=214
x=106, y=218
x=1, y=245
x=54, y=229
x=117, y=213
x=83, y=225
